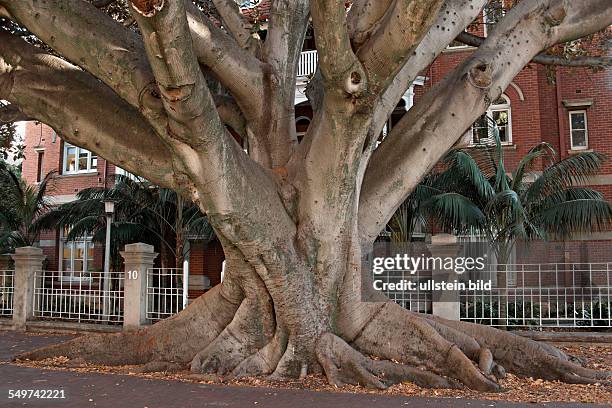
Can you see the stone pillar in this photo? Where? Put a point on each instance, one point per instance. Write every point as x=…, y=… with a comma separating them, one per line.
x=138, y=258
x=445, y=303
x=28, y=261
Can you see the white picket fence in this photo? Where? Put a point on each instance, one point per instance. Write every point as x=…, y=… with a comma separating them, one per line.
x=78, y=296
x=7, y=289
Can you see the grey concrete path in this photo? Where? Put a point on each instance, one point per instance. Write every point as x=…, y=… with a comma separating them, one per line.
x=83, y=390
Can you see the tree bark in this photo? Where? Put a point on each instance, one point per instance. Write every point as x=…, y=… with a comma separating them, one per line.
x=295, y=221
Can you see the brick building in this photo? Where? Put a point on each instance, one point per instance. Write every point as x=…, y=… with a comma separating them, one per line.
x=76, y=169
x=573, y=114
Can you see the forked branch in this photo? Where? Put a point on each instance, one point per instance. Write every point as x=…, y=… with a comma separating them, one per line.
x=234, y=22
x=78, y=106
x=438, y=120
x=401, y=30
x=340, y=68
x=193, y=118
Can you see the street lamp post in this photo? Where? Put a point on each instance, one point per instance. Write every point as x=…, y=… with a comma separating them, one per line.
x=109, y=209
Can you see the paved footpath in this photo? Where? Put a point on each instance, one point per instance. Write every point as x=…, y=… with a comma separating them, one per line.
x=84, y=390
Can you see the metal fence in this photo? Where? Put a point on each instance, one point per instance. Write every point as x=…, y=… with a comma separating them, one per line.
x=7, y=289
x=166, y=292
x=416, y=300
x=542, y=295
x=79, y=296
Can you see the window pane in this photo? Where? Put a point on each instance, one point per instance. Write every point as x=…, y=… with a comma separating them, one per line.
x=79, y=250
x=83, y=159
x=579, y=138
x=578, y=121
x=501, y=119
x=480, y=129
x=94, y=162
x=70, y=159
x=78, y=266
x=503, y=133
x=66, y=264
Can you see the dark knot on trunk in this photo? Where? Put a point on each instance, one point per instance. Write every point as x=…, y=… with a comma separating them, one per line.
x=481, y=75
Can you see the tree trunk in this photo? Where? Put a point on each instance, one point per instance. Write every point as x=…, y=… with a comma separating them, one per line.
x=287, y=314
x=294, y=220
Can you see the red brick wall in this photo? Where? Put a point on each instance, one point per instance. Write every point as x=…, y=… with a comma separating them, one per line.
x=206, y=259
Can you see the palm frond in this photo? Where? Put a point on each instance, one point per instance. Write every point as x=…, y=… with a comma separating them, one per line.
x=539, y=151
x=568, y=172
x=575, y=216
x=454, y=211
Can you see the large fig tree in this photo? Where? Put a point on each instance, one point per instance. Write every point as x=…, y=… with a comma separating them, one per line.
x=294, y=218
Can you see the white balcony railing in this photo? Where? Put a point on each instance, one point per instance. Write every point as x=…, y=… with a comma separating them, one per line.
x=308, y=64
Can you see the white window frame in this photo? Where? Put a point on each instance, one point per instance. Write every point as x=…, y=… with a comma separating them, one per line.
x=498, y=108
x=78, y=151
x=586, y=129
x=456, y=47
x=69, y=275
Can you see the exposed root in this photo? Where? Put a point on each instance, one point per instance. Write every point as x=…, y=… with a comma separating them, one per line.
x=249, y=331
x=345, y=365
x=409, y=339
x=295, y=362
x=266, y=360
x=176, y=339
x=525, y=357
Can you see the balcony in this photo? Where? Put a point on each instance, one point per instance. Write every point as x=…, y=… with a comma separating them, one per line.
x=307, y=65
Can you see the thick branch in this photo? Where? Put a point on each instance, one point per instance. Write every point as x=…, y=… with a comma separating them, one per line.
x=239, y=71
x=233, y=21
x=340, y=68
x=546, y=59
x=230, y=113
x=78, y=107
x=11, y=113
x=110, y=52
x=437, y=121
x=286, y=32
x=401, y=30
x=434, y=43
x=193, y=118
x=222, y=179
x=364, y=18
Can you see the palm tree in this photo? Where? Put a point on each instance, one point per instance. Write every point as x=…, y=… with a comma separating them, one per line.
x=21, y=206
x=475, y=193
x=143, y=213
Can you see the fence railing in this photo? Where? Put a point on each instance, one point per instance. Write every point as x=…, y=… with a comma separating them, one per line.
x=79, y=296
x=166, y=293
x=307, y=64
x=7, y=289
x=542, y=295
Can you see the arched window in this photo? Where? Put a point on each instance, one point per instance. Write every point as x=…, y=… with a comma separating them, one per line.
x=301, y=126
x=499, y=115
